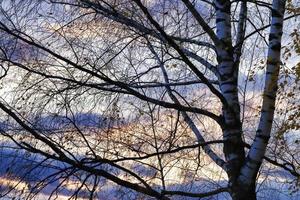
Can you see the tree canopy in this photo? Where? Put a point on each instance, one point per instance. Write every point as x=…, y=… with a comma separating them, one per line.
x=142, y=99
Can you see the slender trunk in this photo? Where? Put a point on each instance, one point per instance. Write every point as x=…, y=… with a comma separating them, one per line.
x=242, y=172
x=255, y=156
x=232, y=130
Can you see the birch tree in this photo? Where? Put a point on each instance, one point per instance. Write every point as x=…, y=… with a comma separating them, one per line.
x=165, y=78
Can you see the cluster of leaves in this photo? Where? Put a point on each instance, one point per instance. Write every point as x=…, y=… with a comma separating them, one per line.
x=292, y=50
x=289, y=86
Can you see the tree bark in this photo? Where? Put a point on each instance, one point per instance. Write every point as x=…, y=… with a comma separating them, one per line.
x=242, y=171
x=232, y=130
x=257, y=151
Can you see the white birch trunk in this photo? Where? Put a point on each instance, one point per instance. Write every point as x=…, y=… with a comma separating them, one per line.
x=232, y=130
x=258, y=148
